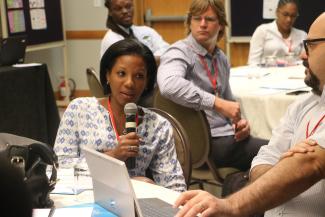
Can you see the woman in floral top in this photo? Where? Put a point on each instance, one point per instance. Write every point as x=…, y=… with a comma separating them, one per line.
x=127, y=71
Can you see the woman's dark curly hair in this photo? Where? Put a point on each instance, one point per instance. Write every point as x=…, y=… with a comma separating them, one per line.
x=128, y=47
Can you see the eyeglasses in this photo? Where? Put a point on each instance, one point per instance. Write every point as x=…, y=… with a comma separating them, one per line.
x=286, y=15
x=311, y=42
x=207, y=19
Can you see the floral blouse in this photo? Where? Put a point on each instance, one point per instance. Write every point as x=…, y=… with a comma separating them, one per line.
x=86, y=123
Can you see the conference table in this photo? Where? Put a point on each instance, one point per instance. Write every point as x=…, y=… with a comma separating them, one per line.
x=142, y=190
x=67, y=181
x=265, y=94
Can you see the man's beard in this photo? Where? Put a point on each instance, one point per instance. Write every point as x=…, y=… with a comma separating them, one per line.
x=311, y=80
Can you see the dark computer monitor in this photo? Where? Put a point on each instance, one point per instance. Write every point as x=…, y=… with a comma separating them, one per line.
x=12, y=50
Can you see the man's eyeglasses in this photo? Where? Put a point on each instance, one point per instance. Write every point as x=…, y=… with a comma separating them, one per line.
x=286, y=15
x=207, y=19
x=311, y=42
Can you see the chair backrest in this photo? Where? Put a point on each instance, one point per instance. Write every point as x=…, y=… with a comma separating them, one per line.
x=181, y=144
x=95, y=86
x=195, y=124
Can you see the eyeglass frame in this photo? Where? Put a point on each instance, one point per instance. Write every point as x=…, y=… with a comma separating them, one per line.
x=207, y=19
x=309, y=42
x=286, y=14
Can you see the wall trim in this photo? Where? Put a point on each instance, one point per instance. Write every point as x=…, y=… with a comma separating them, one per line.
x=77, y=93
x=85, y=34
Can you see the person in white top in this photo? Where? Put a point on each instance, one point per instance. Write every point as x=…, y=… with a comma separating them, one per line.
x=120, y=25
x=278, y=38
x=288, y=175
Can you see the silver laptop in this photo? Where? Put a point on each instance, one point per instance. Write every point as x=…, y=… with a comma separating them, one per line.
x=113, y=189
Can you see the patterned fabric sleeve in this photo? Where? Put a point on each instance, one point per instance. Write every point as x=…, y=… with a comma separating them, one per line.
x=166, y=169
x=67, y=139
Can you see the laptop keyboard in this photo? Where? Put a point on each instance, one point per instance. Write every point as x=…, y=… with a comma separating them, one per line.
x=154, y=207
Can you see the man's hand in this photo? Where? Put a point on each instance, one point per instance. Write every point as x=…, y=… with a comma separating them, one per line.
x=197, y=201
x=242, y=130
x=303, y=147
x=228, y=108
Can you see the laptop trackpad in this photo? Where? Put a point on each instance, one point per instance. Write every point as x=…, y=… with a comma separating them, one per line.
x=152, y=207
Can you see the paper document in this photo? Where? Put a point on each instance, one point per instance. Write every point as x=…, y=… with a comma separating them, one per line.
x=70, y=184
x=68, y=190
x=64, y=212
x=41, y=212
x=292, y=84
x=27, y=65
x=98, y=211
x=267, y=91
x=269, y=9
x=249, y=72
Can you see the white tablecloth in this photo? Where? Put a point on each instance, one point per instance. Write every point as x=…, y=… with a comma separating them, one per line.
x=142, y=190
x=262, y=93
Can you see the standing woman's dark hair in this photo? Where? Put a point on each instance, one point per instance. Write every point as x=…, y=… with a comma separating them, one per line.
x=128, y=47
x=284, y=2
x=287, y=12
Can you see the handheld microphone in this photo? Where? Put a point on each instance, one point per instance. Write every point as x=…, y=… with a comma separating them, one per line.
x=130, y=111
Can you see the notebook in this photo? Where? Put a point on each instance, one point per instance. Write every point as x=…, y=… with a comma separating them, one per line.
x=113, y=189
x=12, y=50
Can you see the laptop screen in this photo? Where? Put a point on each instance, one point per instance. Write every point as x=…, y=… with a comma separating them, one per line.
x=113, y=189
x=111, y=183
x=12, y=50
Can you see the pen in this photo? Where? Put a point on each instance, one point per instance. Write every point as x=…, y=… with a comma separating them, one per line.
x=52, y=211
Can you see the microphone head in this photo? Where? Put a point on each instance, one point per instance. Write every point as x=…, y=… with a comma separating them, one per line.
x=130, y=108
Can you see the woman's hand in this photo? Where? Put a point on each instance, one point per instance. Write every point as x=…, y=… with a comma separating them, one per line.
x=128, y=146
x=144, y=179
x=302, y=147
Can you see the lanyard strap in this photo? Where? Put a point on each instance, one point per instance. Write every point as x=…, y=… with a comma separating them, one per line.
x=111, y=117
x=315, y=128
x=212, y=79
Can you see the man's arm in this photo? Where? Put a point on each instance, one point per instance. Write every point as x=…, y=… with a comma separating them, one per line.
x=290, y=177
x=258, y=171
x=228, y=108
x=172, y=82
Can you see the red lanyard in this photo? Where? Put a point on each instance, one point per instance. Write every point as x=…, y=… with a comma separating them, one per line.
x=314, y=129
x=111, y=116
x=212, y=79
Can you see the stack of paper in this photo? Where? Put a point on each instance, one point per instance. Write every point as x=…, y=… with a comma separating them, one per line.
x=64, y=212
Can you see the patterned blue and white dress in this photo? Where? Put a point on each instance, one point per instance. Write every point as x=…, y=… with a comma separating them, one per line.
x=86, y=123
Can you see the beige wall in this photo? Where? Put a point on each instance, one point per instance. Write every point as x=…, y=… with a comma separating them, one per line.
x=79, y=15
x=85, y=26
